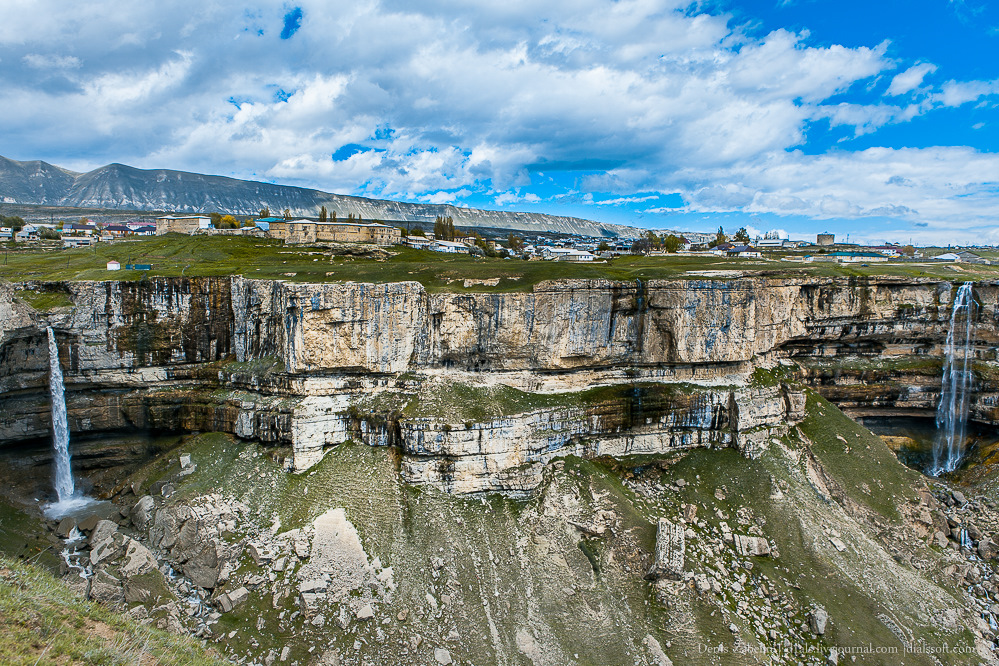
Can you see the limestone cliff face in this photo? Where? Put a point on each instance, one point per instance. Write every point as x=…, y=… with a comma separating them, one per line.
x=285, y=362
x=398, y=327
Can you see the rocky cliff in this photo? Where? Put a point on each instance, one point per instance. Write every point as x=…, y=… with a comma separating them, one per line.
x=312, y=365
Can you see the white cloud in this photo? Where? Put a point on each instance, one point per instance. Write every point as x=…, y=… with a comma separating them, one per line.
x=956, y=93
x=625, y=200
x=41, y=61
x=910, y=79
x=677, y=101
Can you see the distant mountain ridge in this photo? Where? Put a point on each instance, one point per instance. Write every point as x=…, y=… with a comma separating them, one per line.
x=118, y=186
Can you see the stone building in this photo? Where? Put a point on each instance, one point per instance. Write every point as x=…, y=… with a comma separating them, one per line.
x=825, y=239
x=308, y=231
x=181, y=224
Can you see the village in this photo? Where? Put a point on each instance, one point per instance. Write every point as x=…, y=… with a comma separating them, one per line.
x=446, y=238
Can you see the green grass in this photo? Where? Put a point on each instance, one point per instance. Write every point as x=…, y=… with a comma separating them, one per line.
x=43, y=623
x=22, y=536
x=804, y=571
x=44, y=301
x=175, y=255
x=858, y=460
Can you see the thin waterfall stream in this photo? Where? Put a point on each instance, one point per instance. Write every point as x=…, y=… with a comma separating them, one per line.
x=68, y=500
x=956, y=385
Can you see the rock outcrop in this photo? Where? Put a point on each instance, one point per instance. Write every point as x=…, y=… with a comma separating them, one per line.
x=294, y=364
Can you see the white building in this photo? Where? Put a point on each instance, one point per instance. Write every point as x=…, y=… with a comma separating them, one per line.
x=114, y=265
x=450, y=247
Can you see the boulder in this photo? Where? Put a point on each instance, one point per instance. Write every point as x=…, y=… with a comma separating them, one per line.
x=365, y=612
x=959, y=497
x=442, y=656
x=149, y=586
x=987, y=549
x=752, y=546
x=260, y=553
x=107, y=550
x=106, y=589
x=65, y=526
x=670, y=548
x=203, y=569
x=232, y=599
x=88, y=524
x=817, y=621
x=141, y=514
x=102, y=531
x=138, y=559
x=166, y=526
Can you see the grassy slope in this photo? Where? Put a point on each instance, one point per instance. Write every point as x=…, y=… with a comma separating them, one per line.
x=174, y=255
x=43, y=623
x=513, y=561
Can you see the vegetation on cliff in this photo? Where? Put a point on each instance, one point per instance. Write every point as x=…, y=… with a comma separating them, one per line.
x=43, y=623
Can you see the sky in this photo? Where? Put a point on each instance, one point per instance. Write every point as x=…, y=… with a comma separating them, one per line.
x=876, y=120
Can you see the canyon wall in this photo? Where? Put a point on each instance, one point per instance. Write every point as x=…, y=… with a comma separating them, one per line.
x=288, y=363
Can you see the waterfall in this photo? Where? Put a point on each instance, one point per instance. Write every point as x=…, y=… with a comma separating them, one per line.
x=60, y=429
x=955, y=389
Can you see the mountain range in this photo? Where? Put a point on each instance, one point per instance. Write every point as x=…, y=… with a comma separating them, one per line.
x=117, y=186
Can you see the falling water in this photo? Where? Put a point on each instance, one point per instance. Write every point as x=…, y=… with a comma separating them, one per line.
x=60, y=430
x=952, y=412
x=69, y=500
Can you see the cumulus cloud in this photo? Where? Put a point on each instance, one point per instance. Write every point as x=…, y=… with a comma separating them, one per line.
x=636, y=97
x=910, y=79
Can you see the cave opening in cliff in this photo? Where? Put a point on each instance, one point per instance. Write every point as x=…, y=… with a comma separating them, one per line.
x=911, y=438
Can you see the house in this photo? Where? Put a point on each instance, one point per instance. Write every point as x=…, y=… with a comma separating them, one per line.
x=77, y=228
x=450, y=247
x=28, y=232
x=576, y=255
x=888, y=250
x=947, y=256
x=182, y=224
x=418, y=242
x=743, y=252
x=770, y=243
x=147, y=230
x=78, y=241
x=117, y=229
x=114, y=265
x=309, y=231
x=972, y=258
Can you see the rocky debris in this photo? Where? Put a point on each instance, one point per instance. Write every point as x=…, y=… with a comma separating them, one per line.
x=261, y=555
x=751, y=546
x=338, y=570
x=669, y=551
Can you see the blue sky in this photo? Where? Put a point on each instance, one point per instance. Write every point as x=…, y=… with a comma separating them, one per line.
x=874, y=119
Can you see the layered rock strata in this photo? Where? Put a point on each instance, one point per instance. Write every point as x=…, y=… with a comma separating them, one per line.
x=289, y=363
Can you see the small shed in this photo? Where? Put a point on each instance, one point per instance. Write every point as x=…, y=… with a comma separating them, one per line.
x=114, y=265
